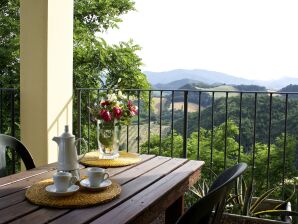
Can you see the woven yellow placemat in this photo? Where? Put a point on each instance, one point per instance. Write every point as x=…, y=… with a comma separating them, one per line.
x=124, y=159
x=37, y=194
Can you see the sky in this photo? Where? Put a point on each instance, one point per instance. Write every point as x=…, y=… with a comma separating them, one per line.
x=254, y=39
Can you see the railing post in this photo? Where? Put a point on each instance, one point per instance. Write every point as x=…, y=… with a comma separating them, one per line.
x=269, y=139
x=172, y=124
x=285, y=147
x=160, y=121
x=212, y=132
x=139, y=121
x=79, y=120
x=149, y=115
x=226, y=130
x=12, y=114
x=254, y=138
x=199, y=125
x=89, y=118
x=240, y=126
x=1, y=111
x=185, y=124
x=127, y=129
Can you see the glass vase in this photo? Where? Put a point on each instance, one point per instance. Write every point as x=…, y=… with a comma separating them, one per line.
x=108, y=138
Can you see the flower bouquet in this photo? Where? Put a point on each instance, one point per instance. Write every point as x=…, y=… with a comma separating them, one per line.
x=113, y=111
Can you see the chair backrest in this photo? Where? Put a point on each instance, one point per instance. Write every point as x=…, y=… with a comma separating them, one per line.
x=228, y=175
x=201, y=211
x=9, y=141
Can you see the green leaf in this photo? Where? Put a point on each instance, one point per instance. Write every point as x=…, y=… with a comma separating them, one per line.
x=195, y=191
x=277, y=213
x=247, y=200
x=244, y=190
x=261, y=199
x=206, y=190
x=284, y=203
x=232, y=199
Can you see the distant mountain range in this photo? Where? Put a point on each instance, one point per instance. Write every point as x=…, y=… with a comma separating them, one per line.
x=176, y=78
x=178, y=84
x=190, y=84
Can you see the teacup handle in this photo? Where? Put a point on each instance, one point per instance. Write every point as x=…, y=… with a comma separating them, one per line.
x=106, y=176
x=73, y=181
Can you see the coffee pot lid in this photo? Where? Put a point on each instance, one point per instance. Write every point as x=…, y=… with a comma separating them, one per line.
x=66, y=133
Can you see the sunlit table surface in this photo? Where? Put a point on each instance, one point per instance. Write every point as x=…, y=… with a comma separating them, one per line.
x=150, y=187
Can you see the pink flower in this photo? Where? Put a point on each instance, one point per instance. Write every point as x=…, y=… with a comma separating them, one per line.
x=132, y=108
x=133, y=112
x=105, y=115
x=117, y=112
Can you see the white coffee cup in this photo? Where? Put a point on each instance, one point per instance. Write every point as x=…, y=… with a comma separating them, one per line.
x=96, y=176
x=62, y=181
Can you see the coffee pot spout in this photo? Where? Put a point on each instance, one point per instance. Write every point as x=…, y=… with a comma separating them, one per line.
x=57, y=140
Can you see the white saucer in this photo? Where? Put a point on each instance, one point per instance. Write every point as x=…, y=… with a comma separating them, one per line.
x=103, y=185
x=51, y=189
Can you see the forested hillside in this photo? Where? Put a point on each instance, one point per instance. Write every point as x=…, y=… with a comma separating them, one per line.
x=247, y=117
x=289, y=88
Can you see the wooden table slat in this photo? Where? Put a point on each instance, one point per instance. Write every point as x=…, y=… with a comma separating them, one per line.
x=11, y=213
x=128, y=210
x=11, y=179
x=139, y=170
x=12, y=199
x=23, y=184
x=86, y=215
x=40, y=216
x=26, y=174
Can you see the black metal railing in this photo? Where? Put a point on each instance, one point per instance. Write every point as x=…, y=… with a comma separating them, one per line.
x=7, y=111
x=237, y=125
x=8, y=100
x=9, y=117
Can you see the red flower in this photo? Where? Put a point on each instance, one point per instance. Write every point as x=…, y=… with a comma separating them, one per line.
x=105, y=103
x=105, y=115
x=117, y=112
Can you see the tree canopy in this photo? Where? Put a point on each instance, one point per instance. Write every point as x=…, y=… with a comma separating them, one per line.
x=9, y=43
x=95, y=61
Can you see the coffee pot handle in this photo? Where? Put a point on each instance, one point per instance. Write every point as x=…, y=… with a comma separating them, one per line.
x=85, y=142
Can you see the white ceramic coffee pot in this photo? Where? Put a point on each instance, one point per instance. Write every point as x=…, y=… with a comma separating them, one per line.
x=67, y=155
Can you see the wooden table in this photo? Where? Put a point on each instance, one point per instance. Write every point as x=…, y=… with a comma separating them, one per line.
x=156, y=184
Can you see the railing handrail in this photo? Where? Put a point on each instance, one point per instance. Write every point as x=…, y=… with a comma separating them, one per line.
x=8, y=89
x=188, y=90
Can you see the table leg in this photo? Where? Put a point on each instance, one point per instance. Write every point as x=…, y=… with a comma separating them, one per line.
x=175, y=210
